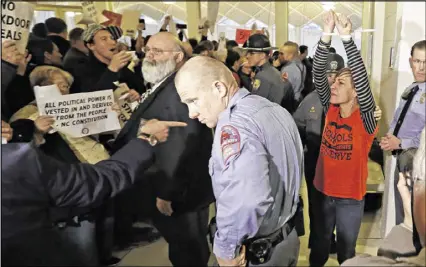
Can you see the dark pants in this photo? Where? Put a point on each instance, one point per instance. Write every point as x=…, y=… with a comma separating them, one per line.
x=346, y=215
x=309, y=177
x=404, y=162
x=186, y=235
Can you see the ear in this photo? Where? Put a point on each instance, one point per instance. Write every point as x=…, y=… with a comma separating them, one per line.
x=47, y=55
x=91, y=46
x=179, y=57
x=220, y=88
x=411, y=61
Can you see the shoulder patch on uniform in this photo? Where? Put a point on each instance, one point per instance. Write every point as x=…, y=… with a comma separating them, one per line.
x=229, y=142
x=256, y=84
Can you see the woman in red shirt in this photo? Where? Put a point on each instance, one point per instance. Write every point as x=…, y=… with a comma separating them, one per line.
x=341, y=172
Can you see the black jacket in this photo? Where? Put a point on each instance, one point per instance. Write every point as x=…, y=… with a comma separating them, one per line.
x=180, y=172
x=63, y=44
x=73, y=59
x=8, y=73
x=27, y=194
x=94, y=75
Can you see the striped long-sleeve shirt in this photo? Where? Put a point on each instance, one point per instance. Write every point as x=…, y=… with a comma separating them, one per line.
x=342, y=168
x=359, y=76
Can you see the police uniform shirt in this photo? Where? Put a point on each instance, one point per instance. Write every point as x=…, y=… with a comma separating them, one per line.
x=269, y=84
x=256, y=170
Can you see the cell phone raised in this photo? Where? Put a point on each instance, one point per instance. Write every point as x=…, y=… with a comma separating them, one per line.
x=181, y=26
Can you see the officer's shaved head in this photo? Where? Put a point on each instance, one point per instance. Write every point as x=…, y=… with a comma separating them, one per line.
x=206, y=85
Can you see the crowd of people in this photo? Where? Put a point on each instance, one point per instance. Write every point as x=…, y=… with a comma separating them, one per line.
x=214, y=123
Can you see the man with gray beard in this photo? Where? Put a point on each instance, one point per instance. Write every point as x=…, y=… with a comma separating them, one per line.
x=179, y=180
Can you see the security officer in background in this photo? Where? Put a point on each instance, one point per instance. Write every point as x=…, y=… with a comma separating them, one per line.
x=256, y=166
x=267, y=81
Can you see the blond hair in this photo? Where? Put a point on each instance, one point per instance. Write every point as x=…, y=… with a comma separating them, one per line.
x=43, y=75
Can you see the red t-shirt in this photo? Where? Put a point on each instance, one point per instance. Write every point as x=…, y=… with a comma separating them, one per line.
x=342, y=168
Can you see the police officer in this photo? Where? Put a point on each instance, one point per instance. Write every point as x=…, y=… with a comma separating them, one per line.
x=256, y=166
x=267, y=81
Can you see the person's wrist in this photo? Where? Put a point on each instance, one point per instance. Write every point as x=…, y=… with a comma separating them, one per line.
x=113, y=68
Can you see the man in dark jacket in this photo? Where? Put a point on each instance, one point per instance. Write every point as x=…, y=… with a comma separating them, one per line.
x=78, y=53
x=57, y=32
x=179, y=177
x=28, y=238
x=105, y=65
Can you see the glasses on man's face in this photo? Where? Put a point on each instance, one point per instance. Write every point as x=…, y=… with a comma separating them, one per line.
x=157, y=51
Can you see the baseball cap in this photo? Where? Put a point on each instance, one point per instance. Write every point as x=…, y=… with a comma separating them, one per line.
x=258, y=43
x=335, y=63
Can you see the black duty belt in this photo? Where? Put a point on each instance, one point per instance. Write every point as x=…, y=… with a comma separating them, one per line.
x=259, y=249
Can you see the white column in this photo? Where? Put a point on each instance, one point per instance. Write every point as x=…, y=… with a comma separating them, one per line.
x=193, y=15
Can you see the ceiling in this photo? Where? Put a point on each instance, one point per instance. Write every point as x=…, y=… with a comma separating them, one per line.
x=301, y=13
x=242, y=13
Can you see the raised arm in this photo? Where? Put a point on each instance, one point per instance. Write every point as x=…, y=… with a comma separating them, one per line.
x=359, y=74
x=320, y=62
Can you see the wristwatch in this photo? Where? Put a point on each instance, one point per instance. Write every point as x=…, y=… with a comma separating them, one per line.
x=152, y=140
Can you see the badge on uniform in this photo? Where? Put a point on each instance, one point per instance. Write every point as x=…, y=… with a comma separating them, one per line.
x=312, y=110
x=256, y=84
x=229, y=142
x=423, y=98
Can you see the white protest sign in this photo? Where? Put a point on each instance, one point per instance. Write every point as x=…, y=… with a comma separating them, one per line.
x=83, y=114
x=16, y=17
x=90, y=13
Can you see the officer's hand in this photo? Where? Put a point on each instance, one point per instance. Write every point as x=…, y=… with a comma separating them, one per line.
x=284, y=76
x=160, y=129
x=343, y=24
x=43, y=124
x=6, y=131
x=377, y=113
x=164, y=206
x=133, y=95
x=240, y=260
x=10, y=53
x=119, y=60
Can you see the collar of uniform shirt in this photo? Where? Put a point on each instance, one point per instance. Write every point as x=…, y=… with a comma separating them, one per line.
x=242, y=92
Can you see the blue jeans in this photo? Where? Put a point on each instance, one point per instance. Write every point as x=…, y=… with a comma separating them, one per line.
x=344, y=213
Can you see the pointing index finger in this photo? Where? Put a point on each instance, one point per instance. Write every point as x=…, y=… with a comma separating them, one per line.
x=175, y=124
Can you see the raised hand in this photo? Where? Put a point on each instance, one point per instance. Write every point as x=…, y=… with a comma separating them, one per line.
x=22, y=66
x=119, y=60
x=329, y=22
x=10, y=53
x=343, y=24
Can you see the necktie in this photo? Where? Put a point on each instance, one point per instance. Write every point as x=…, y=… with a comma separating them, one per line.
x=404, y=110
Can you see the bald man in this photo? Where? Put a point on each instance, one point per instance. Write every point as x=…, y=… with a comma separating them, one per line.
x=294, y=67
x=180, y=181
x=256, y=166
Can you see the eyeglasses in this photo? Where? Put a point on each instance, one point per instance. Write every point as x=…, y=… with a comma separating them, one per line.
x=158, y=51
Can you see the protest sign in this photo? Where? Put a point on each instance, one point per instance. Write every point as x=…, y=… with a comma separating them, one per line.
x=126, y=107
x=80, y=115
x=16, y=17
x=114, y=18
x=90, y=13
x=129, y=21
x=242, y=35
